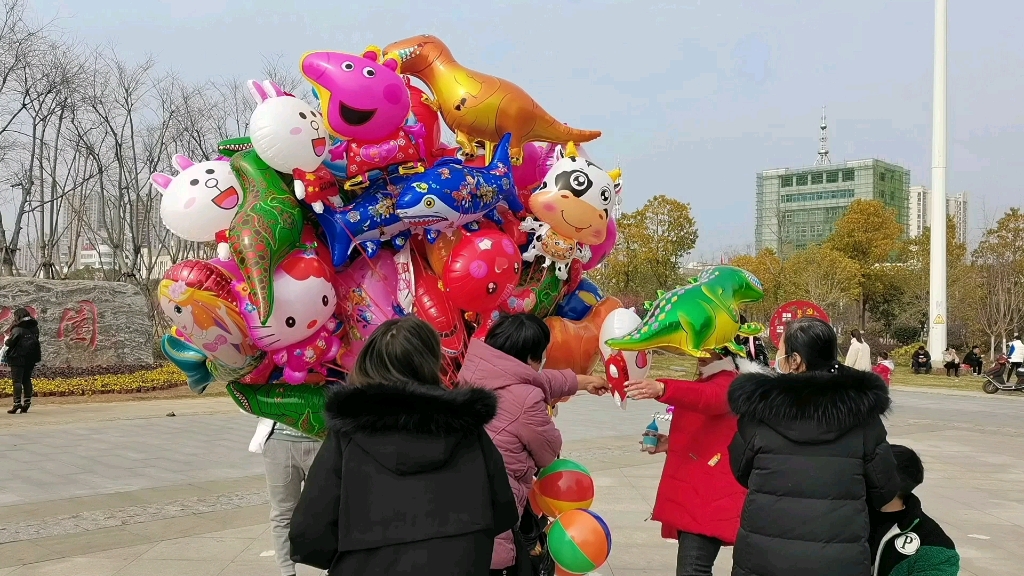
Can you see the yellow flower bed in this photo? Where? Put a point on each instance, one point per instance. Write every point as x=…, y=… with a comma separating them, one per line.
x=161, y=378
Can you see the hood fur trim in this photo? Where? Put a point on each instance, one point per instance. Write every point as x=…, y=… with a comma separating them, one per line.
x=839, y=400
x=409, y=407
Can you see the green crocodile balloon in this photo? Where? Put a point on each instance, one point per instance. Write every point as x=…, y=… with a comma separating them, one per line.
x=299, y=407
x=698, y=318
x=266, y=229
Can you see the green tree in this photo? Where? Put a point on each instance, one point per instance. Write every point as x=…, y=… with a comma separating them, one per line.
x=998, y=265
x=653, y=241
x=869, y=235
x=822, y=275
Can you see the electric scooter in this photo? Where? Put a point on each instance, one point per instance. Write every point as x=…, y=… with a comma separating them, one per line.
x=996, y=381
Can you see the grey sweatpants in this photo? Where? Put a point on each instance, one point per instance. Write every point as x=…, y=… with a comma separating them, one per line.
x=286, y=465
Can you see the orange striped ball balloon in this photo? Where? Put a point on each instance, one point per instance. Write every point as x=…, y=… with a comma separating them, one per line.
x=579, y=542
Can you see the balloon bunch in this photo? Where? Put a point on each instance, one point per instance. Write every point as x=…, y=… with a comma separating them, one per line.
x=335, y=217
x=579, y=540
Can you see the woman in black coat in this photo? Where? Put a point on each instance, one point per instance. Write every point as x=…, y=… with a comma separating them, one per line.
x=407, y=481
x=811, y=448
x=23, y=353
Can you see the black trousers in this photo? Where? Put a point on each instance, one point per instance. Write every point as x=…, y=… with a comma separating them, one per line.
x=22, y=377
x=976, y=368
x=1011, y=375
x=697, y=554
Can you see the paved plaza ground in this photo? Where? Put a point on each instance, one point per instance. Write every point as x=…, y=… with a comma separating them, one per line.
x=123, y=489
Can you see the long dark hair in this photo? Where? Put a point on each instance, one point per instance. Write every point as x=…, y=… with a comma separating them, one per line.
x=21, y=314
x=855, y=333
x=815, y=341
x=401, y=350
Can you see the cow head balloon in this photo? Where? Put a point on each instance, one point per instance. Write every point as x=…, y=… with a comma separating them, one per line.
x=576, y=197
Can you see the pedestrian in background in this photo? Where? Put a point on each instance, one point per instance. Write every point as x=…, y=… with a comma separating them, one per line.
x=22, y=355
x=974, y=360
x=858, y=356
x=951, y=362
x=1016, y=356
x=287, y=456
x=812, y=448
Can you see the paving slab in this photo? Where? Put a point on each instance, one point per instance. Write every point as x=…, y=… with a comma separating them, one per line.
x=123, y=490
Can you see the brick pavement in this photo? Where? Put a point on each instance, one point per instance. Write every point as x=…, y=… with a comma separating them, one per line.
x=121, y=489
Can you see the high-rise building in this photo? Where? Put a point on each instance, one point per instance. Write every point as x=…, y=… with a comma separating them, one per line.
x=920, y=212
x=798, y=207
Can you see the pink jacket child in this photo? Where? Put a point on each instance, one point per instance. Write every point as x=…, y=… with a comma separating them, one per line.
x=522, y=429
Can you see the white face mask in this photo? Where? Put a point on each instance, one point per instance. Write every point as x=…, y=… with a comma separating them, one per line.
x=778, y=363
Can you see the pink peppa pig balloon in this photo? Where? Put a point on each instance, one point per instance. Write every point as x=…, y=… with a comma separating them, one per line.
x=300, y=333
x=365, y=102
x=367, y=297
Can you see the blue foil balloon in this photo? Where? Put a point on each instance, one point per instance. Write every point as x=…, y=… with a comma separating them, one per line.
x=576, y=305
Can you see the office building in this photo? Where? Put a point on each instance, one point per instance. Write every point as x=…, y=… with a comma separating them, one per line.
x=798, y=207
x=920, y=213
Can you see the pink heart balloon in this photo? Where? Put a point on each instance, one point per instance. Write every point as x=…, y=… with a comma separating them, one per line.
x=379, y=153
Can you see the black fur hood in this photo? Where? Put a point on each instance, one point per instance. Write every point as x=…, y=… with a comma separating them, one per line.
x=810, y=406
x=409, y=408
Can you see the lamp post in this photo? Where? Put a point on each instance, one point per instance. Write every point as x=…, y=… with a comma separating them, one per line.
x=937, y=274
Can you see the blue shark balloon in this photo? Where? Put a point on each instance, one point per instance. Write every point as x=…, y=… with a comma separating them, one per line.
x=450, y=194
x=368, y=221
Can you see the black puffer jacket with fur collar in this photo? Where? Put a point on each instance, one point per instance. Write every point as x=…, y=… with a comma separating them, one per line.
x=811, y=448
x=407, y=482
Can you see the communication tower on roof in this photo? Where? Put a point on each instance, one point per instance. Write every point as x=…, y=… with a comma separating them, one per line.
x=823, y=159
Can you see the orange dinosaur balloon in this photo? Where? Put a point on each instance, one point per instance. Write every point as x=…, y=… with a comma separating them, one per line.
x=477, y=106
x=576, y=345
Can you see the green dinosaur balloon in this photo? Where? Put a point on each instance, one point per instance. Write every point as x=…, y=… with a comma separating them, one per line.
x=266, y=229
x=698, y=318
x=299, y=407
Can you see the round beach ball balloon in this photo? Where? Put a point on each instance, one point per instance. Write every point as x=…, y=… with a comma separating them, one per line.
x=579, y=541
x=564, y=485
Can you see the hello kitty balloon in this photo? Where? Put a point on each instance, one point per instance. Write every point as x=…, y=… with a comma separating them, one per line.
x=199, y=203
x=300, y=333
x=290, y=136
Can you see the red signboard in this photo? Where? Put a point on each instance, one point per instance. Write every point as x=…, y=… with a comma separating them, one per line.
x=791, y=311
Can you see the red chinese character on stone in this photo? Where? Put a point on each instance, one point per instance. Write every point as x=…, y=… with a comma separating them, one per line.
x=80, y=325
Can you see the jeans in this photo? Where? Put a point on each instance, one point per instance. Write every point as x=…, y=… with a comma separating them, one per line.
x=697, y=554
x=22, y=377
x=286, y=464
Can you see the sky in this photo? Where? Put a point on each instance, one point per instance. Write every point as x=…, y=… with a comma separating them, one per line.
x=694, y=97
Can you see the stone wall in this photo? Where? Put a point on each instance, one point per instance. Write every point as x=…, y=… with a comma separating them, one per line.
x=83, y=323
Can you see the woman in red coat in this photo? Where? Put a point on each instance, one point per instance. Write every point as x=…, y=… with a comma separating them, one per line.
x=699, y=501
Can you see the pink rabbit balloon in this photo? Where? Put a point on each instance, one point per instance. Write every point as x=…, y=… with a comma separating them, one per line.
x=367, y=297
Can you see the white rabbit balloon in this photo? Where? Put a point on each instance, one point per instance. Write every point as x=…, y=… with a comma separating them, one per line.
x=199, y=203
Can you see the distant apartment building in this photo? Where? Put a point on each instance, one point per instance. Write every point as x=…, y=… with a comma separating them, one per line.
x=798, y=207
x=920, y=211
